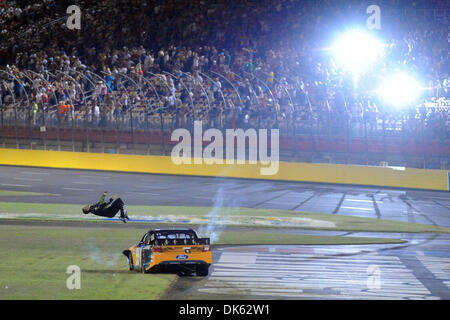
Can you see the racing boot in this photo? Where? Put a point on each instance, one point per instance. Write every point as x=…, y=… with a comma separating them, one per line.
x=123, y=214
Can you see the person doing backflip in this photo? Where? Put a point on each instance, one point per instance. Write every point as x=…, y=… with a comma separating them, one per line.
x=108, y=209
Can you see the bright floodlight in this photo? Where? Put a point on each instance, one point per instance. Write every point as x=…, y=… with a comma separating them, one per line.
x=400, y=90
x=356, y=49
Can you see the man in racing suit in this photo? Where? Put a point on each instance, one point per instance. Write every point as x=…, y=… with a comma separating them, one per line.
x=108, y=209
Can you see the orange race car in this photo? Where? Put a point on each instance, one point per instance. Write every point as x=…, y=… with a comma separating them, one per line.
x=171, y=249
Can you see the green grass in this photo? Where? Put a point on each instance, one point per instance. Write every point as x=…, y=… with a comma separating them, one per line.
x=34, y=260
x=234, y=216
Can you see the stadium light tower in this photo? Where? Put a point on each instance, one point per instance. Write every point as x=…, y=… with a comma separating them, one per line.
x=400, y=90
x=356, y=49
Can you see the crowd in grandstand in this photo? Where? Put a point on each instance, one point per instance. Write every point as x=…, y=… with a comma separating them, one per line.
x=229, y=63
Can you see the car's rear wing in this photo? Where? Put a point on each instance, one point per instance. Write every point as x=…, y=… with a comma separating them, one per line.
x=181, y=242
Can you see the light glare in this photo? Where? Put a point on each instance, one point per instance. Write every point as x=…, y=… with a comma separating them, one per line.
x=356, y=49
x=400, y=90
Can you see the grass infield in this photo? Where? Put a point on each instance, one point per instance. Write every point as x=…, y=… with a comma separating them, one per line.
x=221, y=216
x=34, y=260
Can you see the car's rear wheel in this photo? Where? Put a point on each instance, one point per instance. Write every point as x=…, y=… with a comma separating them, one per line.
x=142, y=264
x=130, y=262
x=202, y=270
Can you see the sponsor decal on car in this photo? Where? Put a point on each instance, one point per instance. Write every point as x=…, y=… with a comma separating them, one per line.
x=182, y=257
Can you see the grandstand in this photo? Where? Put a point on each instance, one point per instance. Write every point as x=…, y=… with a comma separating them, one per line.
x=124, y=81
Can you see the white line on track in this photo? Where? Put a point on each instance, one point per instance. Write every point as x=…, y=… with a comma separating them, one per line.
x=16, y=185
x=27, y=179
x=361, y=200
x=77, y=189
x=340, y=277
x=356, y=208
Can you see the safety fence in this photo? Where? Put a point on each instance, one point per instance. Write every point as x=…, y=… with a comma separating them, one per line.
x=87, y=111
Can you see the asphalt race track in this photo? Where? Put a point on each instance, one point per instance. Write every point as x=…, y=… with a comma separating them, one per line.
x=419, y=269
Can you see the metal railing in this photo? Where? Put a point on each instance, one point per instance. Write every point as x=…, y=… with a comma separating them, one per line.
x=137, y=111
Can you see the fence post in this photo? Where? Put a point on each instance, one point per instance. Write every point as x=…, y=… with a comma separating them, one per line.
x=162, y=134
x=403, y=139
x=58, y=118
x=30, y=128
x=147, y=131
x=366, y=140
x=294, y=132
x=384, y=136
x=102, y=128
x=329, y=126
x=86, y=125
x=132, y=129
x=44, y=125
x=422, y=134
x=16, y=126
x=347, y=120
x=117, y=119
x=72, y=115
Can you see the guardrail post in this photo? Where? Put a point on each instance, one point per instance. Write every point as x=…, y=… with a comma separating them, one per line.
x=86, y=126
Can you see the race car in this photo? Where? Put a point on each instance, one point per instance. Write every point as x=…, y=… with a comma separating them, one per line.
x=170, y=249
